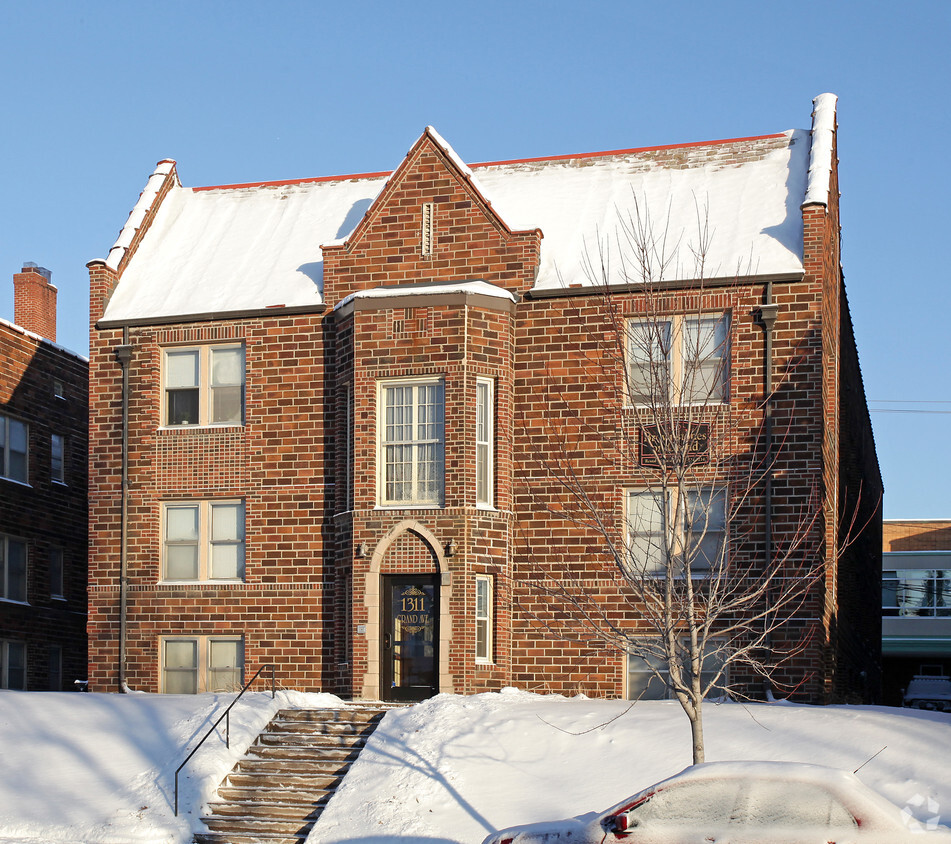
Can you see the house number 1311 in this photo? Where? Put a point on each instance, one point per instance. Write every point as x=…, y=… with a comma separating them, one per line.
x=414, y=604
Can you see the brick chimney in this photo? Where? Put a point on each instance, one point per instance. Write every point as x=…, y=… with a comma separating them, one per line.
x=34, y=300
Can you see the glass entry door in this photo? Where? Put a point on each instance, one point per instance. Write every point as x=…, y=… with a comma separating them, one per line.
x=410, y=643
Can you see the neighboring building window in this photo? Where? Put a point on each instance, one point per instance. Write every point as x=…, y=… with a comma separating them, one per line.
x=203, y=540
x=916, y=592
x=483, y=617
x=204, y=385
x=643, y=684
x=12, y=665
x=56, y=573
x=12, y=569
x=678, y=360
x=58, y=458
x=193, y=664
x=14, y=437
x=485, y=451
x=696, y=532
x=412, y=433
x=58, y=391
x=55, y=681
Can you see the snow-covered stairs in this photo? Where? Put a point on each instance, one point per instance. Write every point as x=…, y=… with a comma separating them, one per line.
x=277, y=790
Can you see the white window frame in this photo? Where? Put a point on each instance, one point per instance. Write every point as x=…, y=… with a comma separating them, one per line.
x=484, y=614
x=640, y=666
x=205, y=387
x=6, y=645
x=203, y=540
x=7, y=425
x=202, y=669
x=666, y=351
x=485, y=443
x=57, y=573
x=414, y=444
x=5, y=590
x=58, y=459
x=656, y=534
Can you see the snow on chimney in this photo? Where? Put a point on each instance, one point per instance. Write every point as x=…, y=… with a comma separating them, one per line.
x=34, y=300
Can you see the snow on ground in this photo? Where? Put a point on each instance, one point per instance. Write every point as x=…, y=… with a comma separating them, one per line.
x=454, y=768
x=98, y=768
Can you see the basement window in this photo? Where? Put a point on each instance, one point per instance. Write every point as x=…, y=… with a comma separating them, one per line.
x=193, y=664
x=12, y=665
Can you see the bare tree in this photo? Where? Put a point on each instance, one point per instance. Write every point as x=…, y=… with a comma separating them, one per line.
x=709, y=595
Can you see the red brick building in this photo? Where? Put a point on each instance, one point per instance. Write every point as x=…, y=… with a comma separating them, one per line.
x=43, y=514
x=322, y=407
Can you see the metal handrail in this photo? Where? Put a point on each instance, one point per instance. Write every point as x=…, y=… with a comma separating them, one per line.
x=226, y=717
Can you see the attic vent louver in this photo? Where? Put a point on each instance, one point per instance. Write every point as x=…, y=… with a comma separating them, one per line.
x=426, y=239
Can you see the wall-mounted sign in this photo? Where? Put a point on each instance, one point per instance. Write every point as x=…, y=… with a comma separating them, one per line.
x=687, y=442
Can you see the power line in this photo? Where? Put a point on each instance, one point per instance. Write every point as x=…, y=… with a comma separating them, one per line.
x=899, y=410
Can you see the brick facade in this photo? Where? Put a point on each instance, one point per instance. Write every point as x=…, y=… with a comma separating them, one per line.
x=322, y=545
x=45, y=388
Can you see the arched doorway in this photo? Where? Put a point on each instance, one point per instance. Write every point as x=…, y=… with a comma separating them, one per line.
x=407, y=590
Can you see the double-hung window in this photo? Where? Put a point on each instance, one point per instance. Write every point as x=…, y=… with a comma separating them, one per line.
x=678, y=360
x=644, y=684
x=203, y=540
x=412, y=443
x=193, y=664
x=12, y=569
x=686, y=528
x=57, y=579
x=58, y=458
x=483, y=618
x=12, y=665
x=485, y=424
x=204, y=385
x=14, y=439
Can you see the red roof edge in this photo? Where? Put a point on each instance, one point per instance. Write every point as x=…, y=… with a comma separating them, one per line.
x=569, y=157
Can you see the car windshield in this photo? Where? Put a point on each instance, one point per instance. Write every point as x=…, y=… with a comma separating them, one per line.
x=689, y=803
x=748, y=803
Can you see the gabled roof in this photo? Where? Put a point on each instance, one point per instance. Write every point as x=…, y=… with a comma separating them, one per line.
x=249, y=247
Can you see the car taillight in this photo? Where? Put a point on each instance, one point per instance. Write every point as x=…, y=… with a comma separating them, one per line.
x=620, y=823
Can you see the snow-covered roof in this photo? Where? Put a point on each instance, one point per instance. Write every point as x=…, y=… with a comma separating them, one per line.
x=245, y=248
x=44, y=340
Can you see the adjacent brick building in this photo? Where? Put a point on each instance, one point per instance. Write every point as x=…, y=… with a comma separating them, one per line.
x=323, y=411
x=43, y=513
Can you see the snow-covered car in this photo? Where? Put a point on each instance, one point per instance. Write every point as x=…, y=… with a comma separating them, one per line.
x=746, y=803
x=928, y=691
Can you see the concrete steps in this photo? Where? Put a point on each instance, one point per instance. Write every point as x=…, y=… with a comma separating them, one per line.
x=277, y=790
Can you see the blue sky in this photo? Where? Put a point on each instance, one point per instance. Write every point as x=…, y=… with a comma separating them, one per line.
x=95, y=93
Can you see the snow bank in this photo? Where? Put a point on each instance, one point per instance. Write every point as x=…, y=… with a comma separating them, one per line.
x=454, y=769
x=98, y=769
x=89, y=768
